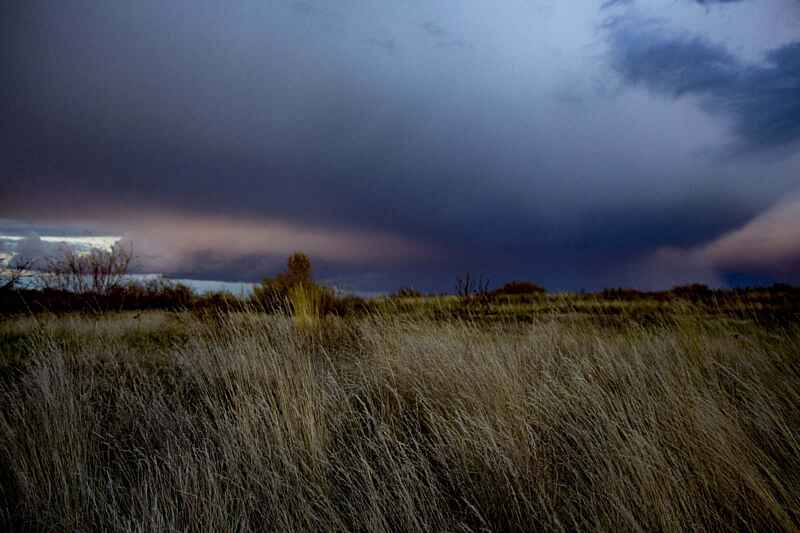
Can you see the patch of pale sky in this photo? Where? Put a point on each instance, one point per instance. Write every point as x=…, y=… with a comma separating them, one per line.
x=100, y=242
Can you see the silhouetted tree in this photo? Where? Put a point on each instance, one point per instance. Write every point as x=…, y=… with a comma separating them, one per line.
x=298, y=269
x=273, y=292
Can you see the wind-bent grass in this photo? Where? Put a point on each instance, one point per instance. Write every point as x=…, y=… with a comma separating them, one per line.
x=397, y=424
x=305, y=301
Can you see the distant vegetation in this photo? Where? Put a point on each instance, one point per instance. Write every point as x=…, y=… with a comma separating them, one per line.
x=97, y=283
x=408, y=292
x=519, y=287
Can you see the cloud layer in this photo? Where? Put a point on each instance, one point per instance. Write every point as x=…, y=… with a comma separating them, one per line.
x=400, y=143
x=762, y=101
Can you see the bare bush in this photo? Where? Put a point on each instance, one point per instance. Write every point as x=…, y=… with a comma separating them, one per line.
x=98, y=272
x=473, y=290
x=12, y=276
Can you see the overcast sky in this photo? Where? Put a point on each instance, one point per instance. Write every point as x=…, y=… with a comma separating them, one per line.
x=579, y=144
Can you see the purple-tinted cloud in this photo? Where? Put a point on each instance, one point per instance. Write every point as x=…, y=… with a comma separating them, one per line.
x=762, y=101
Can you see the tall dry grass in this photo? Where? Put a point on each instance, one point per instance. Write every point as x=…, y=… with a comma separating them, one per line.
x=393, y=424
x=305, y=301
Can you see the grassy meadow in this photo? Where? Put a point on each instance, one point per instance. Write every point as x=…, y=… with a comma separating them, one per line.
x=555, y=413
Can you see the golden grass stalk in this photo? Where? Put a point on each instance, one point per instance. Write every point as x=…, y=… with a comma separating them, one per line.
x=305, y=302
x=166, y=422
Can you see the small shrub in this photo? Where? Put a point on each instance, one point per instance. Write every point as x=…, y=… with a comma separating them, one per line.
x=407, y=292
x=519, y=287
x=343, y=306
x=273, y=293
x=693, y=292
x=621, y=293
x=214, y=304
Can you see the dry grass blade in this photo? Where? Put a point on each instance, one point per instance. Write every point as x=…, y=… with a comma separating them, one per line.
x=248, y=422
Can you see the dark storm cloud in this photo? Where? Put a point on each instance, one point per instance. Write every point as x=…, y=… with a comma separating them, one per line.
x=33, y=249
x=612, y=3
x=762, y=101
x=387, y=45
x=441, y=37
x=434, y=29
x=412, y=140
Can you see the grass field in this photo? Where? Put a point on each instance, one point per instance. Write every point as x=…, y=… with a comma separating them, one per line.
x=557, y=415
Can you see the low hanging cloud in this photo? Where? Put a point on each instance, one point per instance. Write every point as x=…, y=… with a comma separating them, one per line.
x=206, y=245
x=761, y=101
x=769, y=244
x=767, y=247
x=203, y=245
